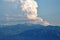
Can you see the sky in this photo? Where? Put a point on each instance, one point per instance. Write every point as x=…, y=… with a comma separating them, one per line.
x=49, y=10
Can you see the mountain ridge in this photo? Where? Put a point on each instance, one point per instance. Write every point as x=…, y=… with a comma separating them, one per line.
x=26, y=32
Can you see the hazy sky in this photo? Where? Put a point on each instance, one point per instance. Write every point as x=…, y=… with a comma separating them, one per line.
x=48, y=9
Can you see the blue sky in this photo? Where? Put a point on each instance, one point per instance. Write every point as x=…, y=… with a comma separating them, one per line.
x=48, y=9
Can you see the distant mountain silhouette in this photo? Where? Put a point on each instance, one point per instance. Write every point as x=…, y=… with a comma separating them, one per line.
x=29, y=32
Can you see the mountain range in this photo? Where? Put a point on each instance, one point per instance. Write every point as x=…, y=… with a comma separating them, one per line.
x=29, y=32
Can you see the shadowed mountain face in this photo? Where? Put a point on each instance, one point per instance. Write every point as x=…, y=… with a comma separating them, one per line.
x=29, y=32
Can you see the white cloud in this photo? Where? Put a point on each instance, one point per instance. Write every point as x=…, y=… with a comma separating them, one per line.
x=28, y=13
